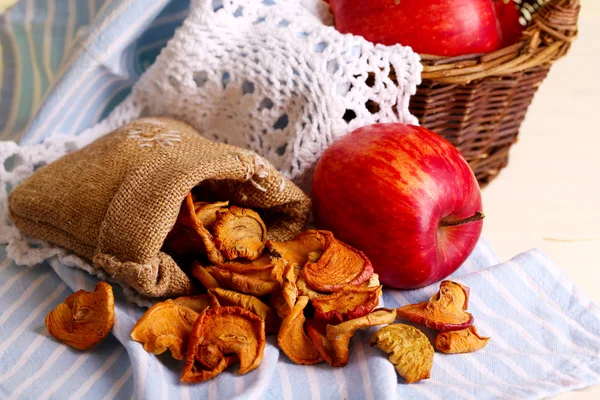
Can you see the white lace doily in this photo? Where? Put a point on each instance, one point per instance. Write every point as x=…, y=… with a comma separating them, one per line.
x=272, y=76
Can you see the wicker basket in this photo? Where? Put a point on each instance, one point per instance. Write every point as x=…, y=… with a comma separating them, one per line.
x=478, y=102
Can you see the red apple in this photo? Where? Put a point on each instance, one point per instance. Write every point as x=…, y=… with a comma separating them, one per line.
x=404, y=196
x=508, y=15
x=439, y=27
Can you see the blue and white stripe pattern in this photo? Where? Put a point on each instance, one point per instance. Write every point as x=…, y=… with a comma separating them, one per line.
x=545, y=340
x=77, y=59
x=61, y=53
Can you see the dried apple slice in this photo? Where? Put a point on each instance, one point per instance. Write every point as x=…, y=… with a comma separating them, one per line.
x=463, y=341
x=293, y=340
x=84, y=318
x=240, y=233
x=241, y=266
x=253, y=282
x=220, y=337
x=204, y=276
x=316, y=331
x=305, y=290
x=340, y=335
x=305, y=245
x=197, y=303
x=166, y=325
x=409, y=349
x=188, y=236
x=207, y=212
x=445, y=311
x=339, y=265
x=349, y=303
x=224, y=297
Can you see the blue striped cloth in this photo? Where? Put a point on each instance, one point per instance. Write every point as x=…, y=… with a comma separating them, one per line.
x=65, y=65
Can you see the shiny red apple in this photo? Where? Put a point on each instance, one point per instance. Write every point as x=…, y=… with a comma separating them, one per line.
x=438, y=27
x=509, y=15
x=404, y=196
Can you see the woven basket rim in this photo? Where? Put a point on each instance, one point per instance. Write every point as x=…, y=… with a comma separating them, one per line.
x=547, y=38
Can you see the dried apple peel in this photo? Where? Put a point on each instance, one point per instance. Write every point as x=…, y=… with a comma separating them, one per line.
x=463, y=341
x=409, y=349
x=84, y=318
x=445, y=311
x=166, y=325
x=220, y=337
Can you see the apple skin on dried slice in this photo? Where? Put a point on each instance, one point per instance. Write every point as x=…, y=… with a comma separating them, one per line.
x=339, y=265
x=292, y=339
x=445, y=311
x=463, y=341
x=84, y=318
x=221, y=337
x=349, y=303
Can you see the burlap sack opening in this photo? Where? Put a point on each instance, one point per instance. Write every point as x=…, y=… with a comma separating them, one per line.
x=115, y=200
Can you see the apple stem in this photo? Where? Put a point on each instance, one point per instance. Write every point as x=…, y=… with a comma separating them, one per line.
x=478, y=216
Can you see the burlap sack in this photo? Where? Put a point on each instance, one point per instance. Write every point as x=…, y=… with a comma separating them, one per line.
x=115, y=200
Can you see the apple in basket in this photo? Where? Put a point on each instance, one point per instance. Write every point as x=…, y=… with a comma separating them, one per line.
x=438, y=27
x=404, y=196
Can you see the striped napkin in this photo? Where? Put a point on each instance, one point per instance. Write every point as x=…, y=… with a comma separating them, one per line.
x=545, y=333
x=545, y=340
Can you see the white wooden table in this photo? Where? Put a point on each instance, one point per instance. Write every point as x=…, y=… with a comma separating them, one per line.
x=549, y=195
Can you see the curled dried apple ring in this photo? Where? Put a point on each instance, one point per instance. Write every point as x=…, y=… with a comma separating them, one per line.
x=84, y=318
x=293, y=340
x=340, y=335
x=409, y=349
x=197, y=303
x=223, y=297
x=463, y=341
x=166, y=325
x=220, y=337
x=240, y=233
x=445, y=311
x=305, y=245
x=339, y=265
x=189, y=236
x=349, y=303
x=255, y=283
